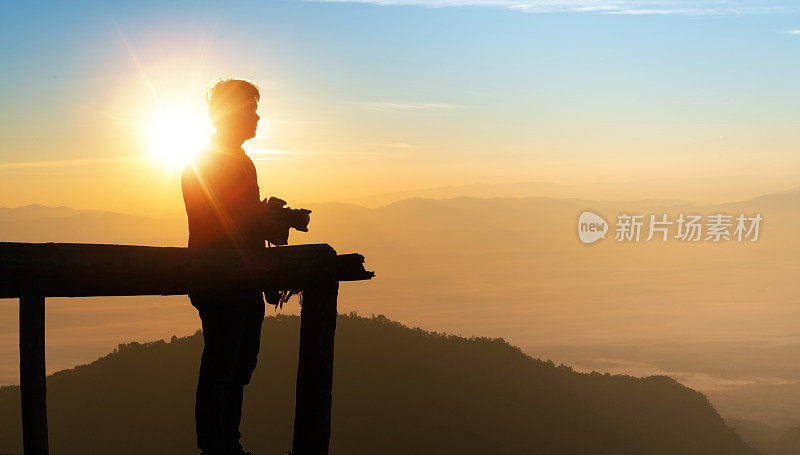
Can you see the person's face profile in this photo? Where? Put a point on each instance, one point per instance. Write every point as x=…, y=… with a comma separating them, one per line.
x=242, y=121
x=248, y=119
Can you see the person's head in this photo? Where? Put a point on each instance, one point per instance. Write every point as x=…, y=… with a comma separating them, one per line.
x=232, y=105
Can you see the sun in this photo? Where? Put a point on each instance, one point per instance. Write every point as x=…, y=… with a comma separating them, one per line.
x=176, y=136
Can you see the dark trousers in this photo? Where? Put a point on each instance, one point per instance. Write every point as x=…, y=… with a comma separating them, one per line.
x=232, y=335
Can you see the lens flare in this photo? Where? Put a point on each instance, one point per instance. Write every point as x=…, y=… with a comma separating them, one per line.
x=176, y=137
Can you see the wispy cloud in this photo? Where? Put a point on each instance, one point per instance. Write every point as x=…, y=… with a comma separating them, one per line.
x=396, y=145
x=389, y=105
x=792, y=32
x=259, y=154
x=699, y=380
x=629, y=7
x=69, y=163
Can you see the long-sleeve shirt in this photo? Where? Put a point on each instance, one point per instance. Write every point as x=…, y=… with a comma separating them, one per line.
x=221, y=194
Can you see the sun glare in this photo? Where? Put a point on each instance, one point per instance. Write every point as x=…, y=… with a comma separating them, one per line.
x=175, y=137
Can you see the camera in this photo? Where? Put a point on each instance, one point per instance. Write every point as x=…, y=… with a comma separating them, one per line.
x=276, y=220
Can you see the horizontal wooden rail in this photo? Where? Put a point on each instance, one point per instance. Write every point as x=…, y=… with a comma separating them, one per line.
x=83, y=270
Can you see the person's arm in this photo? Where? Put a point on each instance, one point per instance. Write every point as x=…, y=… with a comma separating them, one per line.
x=190, y=186
x=245, y=197
x=201, y=198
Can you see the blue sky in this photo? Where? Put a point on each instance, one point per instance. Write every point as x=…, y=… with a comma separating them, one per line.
x=498, y=89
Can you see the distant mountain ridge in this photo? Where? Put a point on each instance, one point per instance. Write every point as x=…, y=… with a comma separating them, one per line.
x=39, y=223
x=35, y=211
x=707, y=189
x=768, y=440
x=396, y=391
x=513, y=267
x=789, y=199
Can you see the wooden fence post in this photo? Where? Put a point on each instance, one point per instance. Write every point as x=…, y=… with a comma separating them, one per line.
x=33, y=393
x=312, y=417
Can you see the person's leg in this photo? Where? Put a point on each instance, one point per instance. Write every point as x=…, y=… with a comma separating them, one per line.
x=245, y=365
x=223, y=323
x=234, y=395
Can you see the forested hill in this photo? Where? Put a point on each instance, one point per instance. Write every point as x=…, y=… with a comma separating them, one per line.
x=396, y=391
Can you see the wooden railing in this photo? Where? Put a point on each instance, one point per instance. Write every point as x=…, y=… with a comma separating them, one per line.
x=32, y=272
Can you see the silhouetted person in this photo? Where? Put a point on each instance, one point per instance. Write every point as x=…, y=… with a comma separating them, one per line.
x=222, y=200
